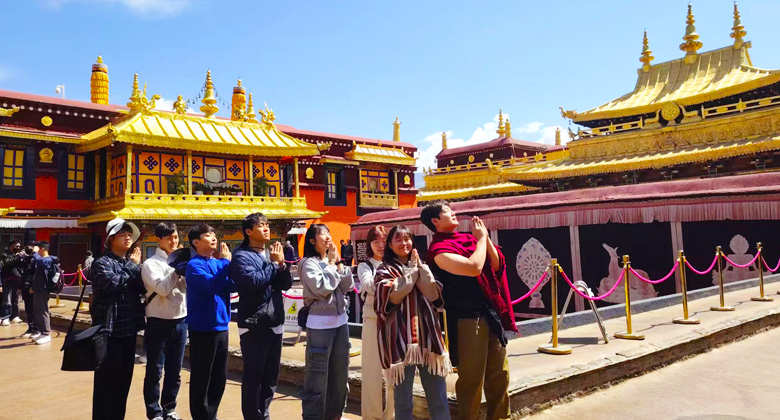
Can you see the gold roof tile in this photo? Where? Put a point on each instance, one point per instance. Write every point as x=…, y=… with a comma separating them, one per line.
x=379, y=154
x=715, y=74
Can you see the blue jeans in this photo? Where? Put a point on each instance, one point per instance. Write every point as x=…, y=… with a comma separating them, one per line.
x=165, y=340
x=435, y=392
x=325, y=388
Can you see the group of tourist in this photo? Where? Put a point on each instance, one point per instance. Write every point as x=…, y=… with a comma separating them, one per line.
x=30, y=272
x=182, y=294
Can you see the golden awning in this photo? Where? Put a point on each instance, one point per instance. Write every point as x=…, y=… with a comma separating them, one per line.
x=197, y=207
x=200, y=134
x=379, y=154
x=714, y=75
x=567, y=168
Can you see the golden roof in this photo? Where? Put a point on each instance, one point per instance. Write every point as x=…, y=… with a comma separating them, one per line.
x=714, y=74
x=379, y=154
x=189, y=132
x=567, y=168
x=197, y=207
x=467, y=192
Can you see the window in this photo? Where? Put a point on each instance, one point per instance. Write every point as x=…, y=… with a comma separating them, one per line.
x=335, y=194
x=13, y=168
x=332, y=186
x=75, y=172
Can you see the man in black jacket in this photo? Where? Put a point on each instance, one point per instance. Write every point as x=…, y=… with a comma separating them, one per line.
x=11, y=275
x=260, y=314
x=28, y=272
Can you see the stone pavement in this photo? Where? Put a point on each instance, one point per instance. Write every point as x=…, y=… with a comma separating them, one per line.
x=541, y=378
x=734, y=382
x=34, y=387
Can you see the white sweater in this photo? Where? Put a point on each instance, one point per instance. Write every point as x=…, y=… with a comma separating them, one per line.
x=158, y=276
x=367, y=289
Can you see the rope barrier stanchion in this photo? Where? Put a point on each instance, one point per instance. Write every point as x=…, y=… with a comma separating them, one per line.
x=761, y=297
x=628, y=334
x=554, y=348
x=80, y=274
x=722, y=307
x=57, y=303
x=684, y=285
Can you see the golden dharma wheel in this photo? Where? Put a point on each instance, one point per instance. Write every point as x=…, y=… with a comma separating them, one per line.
x=670, y=111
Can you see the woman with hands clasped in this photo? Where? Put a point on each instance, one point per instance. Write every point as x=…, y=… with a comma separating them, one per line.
x=325, y=285
x=410, y=336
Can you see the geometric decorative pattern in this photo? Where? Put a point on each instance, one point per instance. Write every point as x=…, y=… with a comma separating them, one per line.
x=271, y=171
x=172, y=165
x=385, y=185
x=195, y=166
x=151, y=162
x=255, y=171
x=235, y=170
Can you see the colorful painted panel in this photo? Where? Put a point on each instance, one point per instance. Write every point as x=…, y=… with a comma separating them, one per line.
x=271, y=172
x=76, y=174
x=13, y=168
x=375, y=181
x=118, y=174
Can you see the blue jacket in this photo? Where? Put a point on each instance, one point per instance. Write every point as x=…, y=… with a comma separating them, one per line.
x=255, y=278
x=208, y=294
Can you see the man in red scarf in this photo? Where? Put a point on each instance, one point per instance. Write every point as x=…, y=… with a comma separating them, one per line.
x=476, y=297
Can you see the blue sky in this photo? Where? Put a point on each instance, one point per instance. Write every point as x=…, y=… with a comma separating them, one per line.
x=351, y=67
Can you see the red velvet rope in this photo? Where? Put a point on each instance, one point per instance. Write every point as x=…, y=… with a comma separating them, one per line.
x=740, y=265
x=777, y=267
x=533, y=289
x=701, y=273
x=676, y=264
x=565, y=277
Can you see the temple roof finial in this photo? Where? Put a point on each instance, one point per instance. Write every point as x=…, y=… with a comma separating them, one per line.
x=136, y=103
x=238, y=103
x=691, y=38
x=180, y=106
x=647, y=54
x=209, y=107
x=443, y=140
x=250, y=111
x=508, y=129
x=500, y=130
x=396, y=130
x=98, y=83
x=738, y=30
x=557, y=136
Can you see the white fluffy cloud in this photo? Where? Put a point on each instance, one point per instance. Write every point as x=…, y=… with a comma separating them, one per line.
x=536, y=131
x=148, y=8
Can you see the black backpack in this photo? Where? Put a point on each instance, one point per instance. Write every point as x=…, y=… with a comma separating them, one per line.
x=55, y=277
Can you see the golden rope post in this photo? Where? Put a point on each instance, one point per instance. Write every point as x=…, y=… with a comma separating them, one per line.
x=446, y=331
x=81, y=279
x=554, y=348
x=629, y=334
x=760, y=264
x=722, y=307
x=684, y=285
x=57, y=303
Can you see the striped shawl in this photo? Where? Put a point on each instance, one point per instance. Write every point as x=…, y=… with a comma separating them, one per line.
x=409, y=332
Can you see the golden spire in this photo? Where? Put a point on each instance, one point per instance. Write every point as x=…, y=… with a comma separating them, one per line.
x=500, y=130
x=136, y=100
x=691, y=38
x=737, y=31
x=396, y=130
x=250, y=111
x=508, y=129
x=209, y=107
x=238, y=105
x=98, y=83
x=647, y=55
x=557, y=136
x=443, y=140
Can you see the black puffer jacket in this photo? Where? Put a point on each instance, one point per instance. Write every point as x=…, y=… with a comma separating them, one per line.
x=258, y=281
x=12, y=266
x=117, y=288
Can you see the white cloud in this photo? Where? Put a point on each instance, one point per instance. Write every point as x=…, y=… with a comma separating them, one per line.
x=148, y=8
x=533, y=131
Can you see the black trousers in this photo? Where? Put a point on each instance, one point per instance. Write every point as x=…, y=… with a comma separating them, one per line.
x=113, y=378
x=28, y=309
x=208, y=372
x=262, y=352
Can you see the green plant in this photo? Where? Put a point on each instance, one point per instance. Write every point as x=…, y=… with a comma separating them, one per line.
x=177, y=183
x=260, y=187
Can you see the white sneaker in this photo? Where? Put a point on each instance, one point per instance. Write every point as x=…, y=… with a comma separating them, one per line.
x=16, y=320
x=36, y=335
x=43, y=340
x=27, y=334
x=5, y=322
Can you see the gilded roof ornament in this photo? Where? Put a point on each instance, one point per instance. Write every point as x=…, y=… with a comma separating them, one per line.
x=396, y=130
x=570, y=114
x=180, y=106
x=737, y=31
x=98, y=83
x=268, y=115
x=508, y=129
x=136, y=103
x=500, y=130
x=557, y=136
x=250, y=111
x=647, y=55
x=7, y=112
x=691, y=38
x=209, y=107
x=443, y=140
x=238, y=103
x=325, y=146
